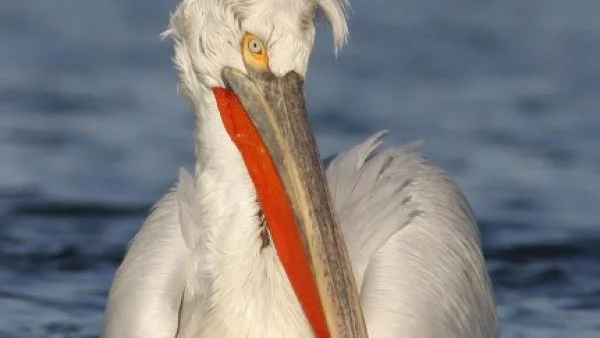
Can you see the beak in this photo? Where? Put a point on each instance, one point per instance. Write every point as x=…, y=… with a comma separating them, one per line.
x=266, y=118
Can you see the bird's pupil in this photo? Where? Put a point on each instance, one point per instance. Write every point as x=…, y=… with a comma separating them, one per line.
x=255, y=46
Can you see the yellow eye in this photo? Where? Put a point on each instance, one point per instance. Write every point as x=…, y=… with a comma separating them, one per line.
x=254, y=52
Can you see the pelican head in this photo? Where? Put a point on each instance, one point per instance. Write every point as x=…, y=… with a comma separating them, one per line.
x=242, y=64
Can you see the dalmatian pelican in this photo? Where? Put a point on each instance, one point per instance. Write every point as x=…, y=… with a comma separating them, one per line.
x=260, y=240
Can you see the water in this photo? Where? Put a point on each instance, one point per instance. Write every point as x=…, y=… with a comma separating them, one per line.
x=504, y=92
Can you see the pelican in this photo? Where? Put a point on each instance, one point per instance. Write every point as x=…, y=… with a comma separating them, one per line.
x=260, y=240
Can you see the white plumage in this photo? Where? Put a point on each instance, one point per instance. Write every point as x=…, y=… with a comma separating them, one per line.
x=198, y=268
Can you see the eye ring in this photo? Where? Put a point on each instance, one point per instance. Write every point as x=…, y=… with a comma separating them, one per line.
x=255, y=46
x=254, y=52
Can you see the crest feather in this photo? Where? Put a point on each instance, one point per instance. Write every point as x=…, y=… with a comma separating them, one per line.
x=336, y=12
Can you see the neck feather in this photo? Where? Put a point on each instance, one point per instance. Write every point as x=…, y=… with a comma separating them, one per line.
x=227, y=197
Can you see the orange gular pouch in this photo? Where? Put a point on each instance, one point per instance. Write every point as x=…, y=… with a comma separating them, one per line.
x=275, y=205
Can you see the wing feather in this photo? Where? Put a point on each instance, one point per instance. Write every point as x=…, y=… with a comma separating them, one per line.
x=146, y=294
x=366, y=193
x=413, y=243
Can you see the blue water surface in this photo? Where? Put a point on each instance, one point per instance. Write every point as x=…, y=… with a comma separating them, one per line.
x=505, y=94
